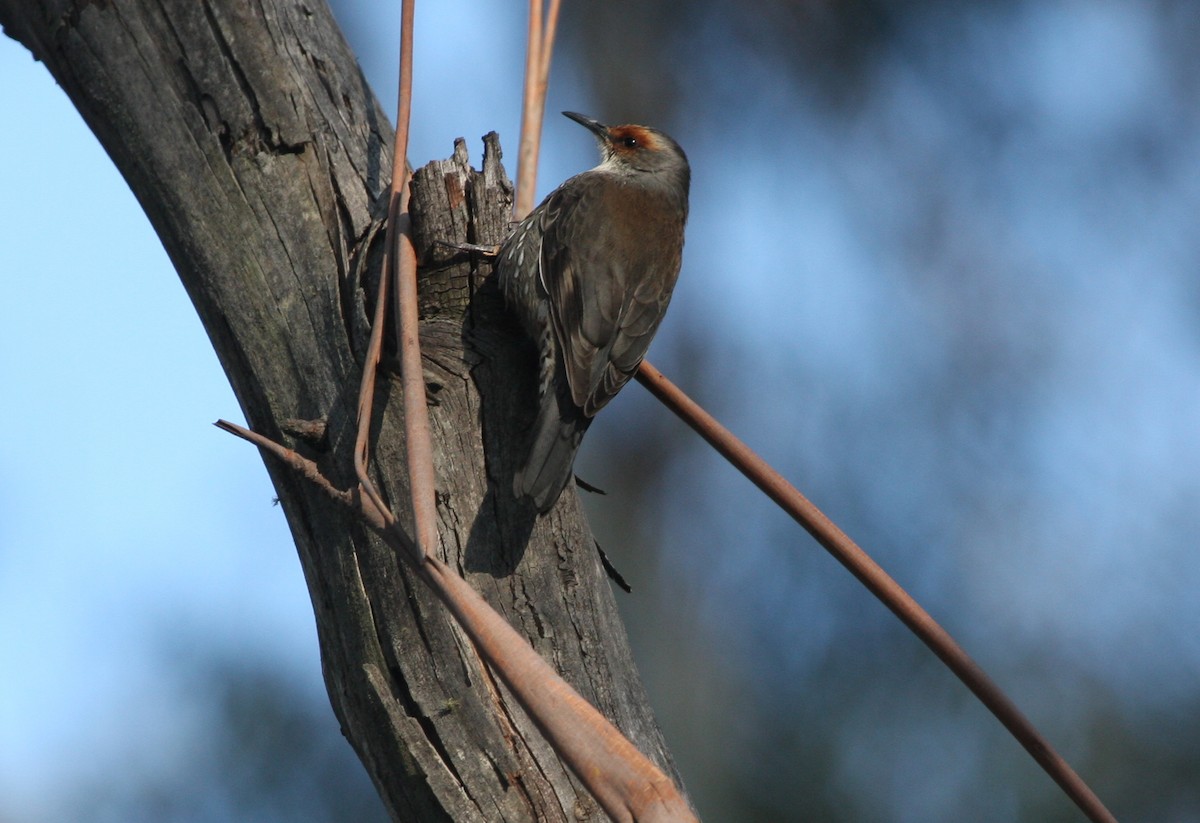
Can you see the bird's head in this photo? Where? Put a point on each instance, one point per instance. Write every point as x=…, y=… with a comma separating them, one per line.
x=637, y=149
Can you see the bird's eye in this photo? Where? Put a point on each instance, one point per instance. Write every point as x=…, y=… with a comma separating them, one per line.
x=629, y=142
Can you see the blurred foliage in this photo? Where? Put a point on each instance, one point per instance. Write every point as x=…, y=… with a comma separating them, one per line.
x=640, y=54
x=941, y=271
x=250, y=742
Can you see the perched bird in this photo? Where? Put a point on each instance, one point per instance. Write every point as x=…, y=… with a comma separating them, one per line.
x=589, y=274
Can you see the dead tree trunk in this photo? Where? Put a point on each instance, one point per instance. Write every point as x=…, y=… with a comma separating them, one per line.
x=248, y=134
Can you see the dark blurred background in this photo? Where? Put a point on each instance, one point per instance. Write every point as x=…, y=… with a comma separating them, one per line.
x=943, y=271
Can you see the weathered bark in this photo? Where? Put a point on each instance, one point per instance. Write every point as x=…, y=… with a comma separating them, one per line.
x=249, y=136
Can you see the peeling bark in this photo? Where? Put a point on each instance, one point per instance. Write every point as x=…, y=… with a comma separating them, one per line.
x=251, y=139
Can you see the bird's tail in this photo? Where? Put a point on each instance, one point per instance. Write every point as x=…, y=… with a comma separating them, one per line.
x=557, y=433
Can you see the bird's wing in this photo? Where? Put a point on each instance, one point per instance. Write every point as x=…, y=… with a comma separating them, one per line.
x=607, y=285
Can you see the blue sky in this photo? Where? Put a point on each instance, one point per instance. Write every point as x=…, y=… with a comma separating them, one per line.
x=127, y=522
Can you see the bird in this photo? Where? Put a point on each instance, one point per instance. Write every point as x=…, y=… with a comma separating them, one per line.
x=589, y=274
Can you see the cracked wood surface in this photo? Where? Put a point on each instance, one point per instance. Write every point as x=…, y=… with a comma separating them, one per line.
x=253, y=143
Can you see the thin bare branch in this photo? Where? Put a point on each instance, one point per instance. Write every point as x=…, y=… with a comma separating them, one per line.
x=547, y=53
x=531, y=116
x=400, y=266
x=366, y=389
x=293, y=459
x=539, y=50
x=396, y=227
x=417, y=436
x=887, y=590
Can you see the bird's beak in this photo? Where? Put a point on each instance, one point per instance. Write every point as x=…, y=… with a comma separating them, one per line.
x=594, y=126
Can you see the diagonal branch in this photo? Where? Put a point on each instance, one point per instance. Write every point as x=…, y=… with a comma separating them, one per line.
x=625, y=783
x=879, y=583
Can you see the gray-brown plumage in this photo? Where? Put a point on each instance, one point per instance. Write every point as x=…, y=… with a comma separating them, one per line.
x=589, y=273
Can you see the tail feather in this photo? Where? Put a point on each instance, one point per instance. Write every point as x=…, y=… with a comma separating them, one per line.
x=557, y=433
